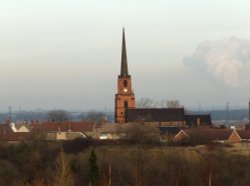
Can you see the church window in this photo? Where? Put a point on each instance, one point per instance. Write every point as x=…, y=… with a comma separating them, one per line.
x=125, y=83
x=126, y=104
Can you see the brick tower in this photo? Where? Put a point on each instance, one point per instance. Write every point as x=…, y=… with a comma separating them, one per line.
x=125, y=98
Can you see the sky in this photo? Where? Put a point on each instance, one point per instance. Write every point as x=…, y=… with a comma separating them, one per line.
x=66, y=54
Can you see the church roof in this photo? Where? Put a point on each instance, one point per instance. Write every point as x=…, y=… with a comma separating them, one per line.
x=155, y=114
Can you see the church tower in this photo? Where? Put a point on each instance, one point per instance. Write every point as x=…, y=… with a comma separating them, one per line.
x=125, y=97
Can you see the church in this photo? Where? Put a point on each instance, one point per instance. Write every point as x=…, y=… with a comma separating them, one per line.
x=163, y=118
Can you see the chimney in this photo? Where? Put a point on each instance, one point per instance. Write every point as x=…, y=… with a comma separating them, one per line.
x=198, y=122
x=13, y=127
x=69, y=127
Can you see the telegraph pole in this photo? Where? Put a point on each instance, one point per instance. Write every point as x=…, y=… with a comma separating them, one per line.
x=10, y=113
x=227, y=112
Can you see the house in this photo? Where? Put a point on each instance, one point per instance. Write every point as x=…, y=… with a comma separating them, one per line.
x=7, y=134
x=215, y=135
x=111, y=131
x=62, y=135
x=244, y=135
x=64, y=130
x=5, y=128
x=21, y=127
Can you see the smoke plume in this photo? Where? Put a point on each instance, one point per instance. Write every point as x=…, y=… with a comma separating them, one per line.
x=223, y=59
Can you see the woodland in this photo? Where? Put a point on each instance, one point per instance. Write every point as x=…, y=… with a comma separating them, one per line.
x=89, y=162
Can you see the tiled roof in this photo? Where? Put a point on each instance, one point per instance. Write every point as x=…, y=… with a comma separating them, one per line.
x=155, y=114
x=244, y=134
x=64, y=126
x=5, y=128
x=20, y=125
x=113, y=128
x=108, y=128
x=211, y=134
x=169, y=130
x=17, y=136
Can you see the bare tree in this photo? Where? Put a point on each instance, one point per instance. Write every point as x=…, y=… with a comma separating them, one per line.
x=96, y=116
x=149, y=103
x=58, y=115
x=173, y=104
x=63, y=173
x=146, y=103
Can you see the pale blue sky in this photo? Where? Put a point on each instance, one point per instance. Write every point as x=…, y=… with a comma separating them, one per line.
x=66, y=53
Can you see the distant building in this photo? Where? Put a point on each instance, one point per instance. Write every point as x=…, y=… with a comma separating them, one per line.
x=19, y=127
x=194, y=121
x=213, y=135
x=5, y=128
x=168, y=120
x=64, y=130
x=244, y=135
x=112, y=131
x=125, y=97
x=157, y=116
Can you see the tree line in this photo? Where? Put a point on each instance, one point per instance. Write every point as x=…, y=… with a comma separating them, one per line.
x=113, y=163
x=56, y=115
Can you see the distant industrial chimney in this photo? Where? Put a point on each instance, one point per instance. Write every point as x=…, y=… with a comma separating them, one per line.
x=249, y=111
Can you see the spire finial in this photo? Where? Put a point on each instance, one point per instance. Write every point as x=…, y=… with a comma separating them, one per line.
x=124, y=63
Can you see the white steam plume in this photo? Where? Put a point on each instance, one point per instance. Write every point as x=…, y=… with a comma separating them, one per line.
x=223, y=59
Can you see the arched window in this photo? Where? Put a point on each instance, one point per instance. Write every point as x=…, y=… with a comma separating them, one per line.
x=125, y=83
x=126, y=104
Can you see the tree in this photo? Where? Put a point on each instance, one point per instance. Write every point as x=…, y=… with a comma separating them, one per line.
x=63, y=172
x=145, y=103
x=143, y=133
x=95, y=116
x=8, y=172
x=149, y=103
x=93, y=174
x=58, y=115
x=36, y=182
x=173, y=104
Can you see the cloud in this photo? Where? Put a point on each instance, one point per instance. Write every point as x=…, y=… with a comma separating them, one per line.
x=223, y=59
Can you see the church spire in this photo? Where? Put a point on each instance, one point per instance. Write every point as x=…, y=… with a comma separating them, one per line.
x=124, y=63
x=125, y=97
